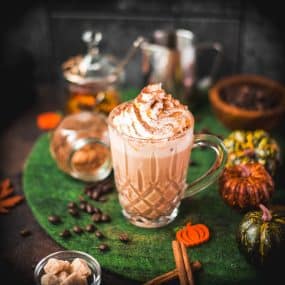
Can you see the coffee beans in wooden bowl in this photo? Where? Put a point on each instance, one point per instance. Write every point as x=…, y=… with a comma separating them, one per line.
x=248, y=102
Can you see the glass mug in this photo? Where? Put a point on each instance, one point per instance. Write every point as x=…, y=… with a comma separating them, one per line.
x=150, y=174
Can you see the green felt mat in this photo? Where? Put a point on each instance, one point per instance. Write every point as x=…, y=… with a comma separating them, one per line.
x=149, y=254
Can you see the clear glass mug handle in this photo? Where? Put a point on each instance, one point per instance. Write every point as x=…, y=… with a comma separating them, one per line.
x=209, y=177
x=102, y=171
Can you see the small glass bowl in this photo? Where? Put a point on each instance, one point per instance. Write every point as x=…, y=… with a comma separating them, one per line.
x=80, y=146
x=69, y=255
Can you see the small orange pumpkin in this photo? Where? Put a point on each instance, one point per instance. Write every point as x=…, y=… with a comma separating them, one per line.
x=245, y=186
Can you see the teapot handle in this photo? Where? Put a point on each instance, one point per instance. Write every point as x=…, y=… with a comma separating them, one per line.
x=205, y=82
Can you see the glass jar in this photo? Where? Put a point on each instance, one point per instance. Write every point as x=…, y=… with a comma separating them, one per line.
x=92, y=80
x=80, y=146
x=70, y=255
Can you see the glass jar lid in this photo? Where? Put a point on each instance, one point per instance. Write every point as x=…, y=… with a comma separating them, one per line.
x=92, y=67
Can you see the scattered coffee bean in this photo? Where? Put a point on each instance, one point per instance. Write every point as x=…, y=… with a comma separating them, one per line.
x=25, y=232
x=193, y=163
x=124, y=238
x=89, y=193
x=90, y=228
x=65, y=234
x=89, y=208
x=73, y=212
x=97, y=210
x=82, y=206
x=95, y=195
x=106, y=188
x=72, y=205
x=77, y=230
x=105, y=218
x=81, y=199
x=103, y=247
x=96, y=217
x=99, y=234
x=103, y=198
x=54, y=219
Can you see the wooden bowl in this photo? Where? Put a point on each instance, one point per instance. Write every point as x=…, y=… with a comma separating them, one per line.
x=234, y=117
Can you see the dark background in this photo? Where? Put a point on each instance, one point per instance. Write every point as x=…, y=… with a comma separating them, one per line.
x=39, y=35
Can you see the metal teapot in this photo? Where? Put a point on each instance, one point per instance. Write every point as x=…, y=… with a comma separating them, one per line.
x=170, y=57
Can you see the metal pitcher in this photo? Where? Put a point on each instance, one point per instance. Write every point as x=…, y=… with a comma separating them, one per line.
x=170, y=58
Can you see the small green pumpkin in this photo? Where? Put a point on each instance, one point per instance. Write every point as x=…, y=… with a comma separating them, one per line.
x=261, y=237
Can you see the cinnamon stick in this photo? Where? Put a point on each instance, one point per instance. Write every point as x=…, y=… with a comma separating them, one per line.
x=163, y=278
x=173, y=274
x=182, y=275
x=186, y=261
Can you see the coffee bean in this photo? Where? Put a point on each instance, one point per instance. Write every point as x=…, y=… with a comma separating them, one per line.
x=25, y=232
x=96, y=217
x=87, y=189
x=81, y=199
x=95, y=195
x=124, y=238
x=73, y=212
x=193, y=163
x=77, y=230
x=105, y=218
x=106, y=188
x=72, y=205
x=65, y=234
x=54, y=219
x=97, y=210
x=103, y=247
x=89, y=193
x=103, y=198
x=90, y=228
x=99, y=234
x=82, y=206
x=89, y=208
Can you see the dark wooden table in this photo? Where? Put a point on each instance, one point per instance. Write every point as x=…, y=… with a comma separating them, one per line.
x=18, y=254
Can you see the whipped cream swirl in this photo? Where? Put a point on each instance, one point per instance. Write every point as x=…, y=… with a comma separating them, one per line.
x=153, y=114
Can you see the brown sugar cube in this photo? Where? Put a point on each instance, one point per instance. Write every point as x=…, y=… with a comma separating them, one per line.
x=81, y=267
x=55, y=266
x=62, y=275
x=74, y=279
x=50, y=279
